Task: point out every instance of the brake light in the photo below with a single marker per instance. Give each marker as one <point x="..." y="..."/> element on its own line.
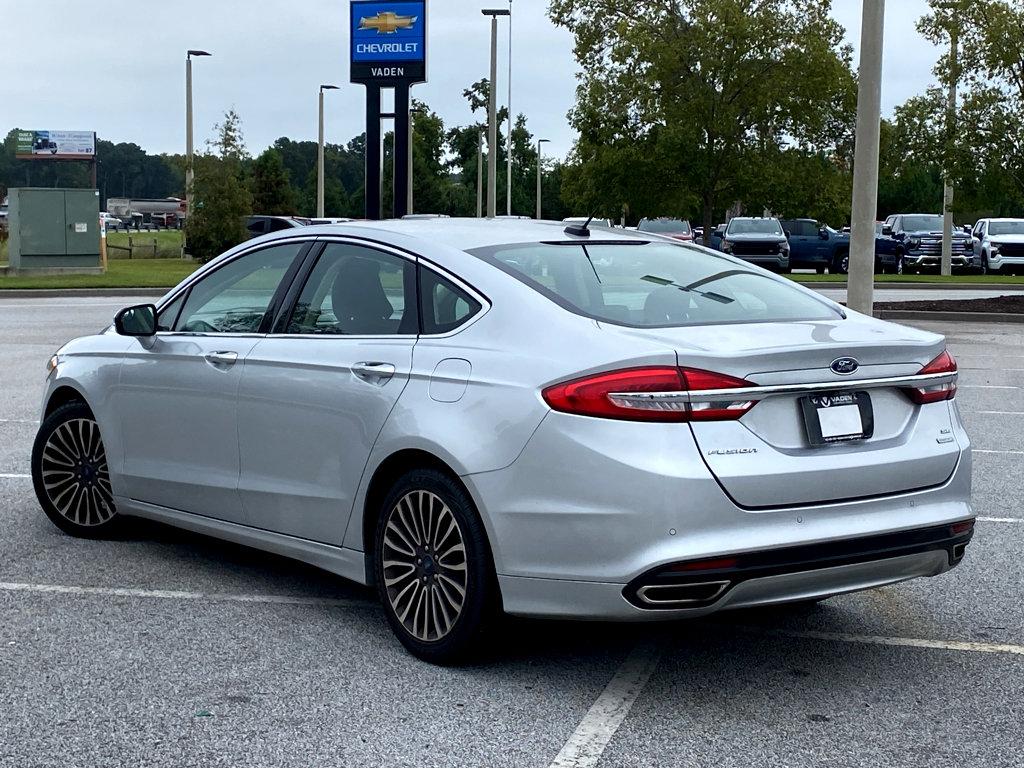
<point x="943" y="364"/>
<point x="650" y="394"/>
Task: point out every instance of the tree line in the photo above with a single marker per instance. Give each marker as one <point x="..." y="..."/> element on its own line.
<point x="688" y="108"/>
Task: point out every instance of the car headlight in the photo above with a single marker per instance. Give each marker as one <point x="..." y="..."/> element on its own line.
<point x="727" y="246"/>
<point x="52" y="363"/>
<point x="995" y="247"/>
<point x="913" y="242"/>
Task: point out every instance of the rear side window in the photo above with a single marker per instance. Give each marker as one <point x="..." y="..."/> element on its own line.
<point x="445" y="305"/>
<point x="655" y="285"/>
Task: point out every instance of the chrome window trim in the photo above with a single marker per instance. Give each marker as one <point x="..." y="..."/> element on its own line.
<point x="758" y="392"/>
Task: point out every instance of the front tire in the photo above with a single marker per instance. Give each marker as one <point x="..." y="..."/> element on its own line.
<point x="434" y="572"/>
<point x="70" y="473"/>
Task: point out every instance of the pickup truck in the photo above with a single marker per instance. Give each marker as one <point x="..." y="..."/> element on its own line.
<point x="913" y="243"/>
<point x="999" y="244"/>
<point x="760" y="240"/>
<point x="814" y="245"/>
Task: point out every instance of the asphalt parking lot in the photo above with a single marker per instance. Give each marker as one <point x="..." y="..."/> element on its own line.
<point x="167" y="648"/>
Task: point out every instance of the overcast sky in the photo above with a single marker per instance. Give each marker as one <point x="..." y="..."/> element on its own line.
<point x="120" y="70"/>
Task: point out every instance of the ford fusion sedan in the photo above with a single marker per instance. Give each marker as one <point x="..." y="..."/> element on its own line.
<point x="486" y="416"/>
<point x="761" y="241"/>
<point x="998" y="244"/>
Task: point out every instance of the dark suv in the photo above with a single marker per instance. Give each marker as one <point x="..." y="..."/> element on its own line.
<point x="814" y="245"/>
<point x="913" y="243"/>
<point x="758" y="240"/>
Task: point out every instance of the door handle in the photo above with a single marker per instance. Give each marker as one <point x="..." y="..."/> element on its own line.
<point x="223" y="358"/>
<point x="374" y="373"/>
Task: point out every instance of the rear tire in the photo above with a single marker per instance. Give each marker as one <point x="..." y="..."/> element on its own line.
<point x="70" y="473"/>
<point x="433" y="567"/>
<point x="841" y="264"/>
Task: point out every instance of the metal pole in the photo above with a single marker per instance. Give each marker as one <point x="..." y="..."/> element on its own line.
<point x="492" y="126"/>
<point x="508" y="139"/>
<point x="401" y="152"/>
<point x="861" y="283"/>
<point x="540" y="143"/>
<point x="189" y="175"/>
<point x="320" y="163"/>
<point x="947" y="187"/>
<point x="408" y="190"/>
<point x="480" y="175"/>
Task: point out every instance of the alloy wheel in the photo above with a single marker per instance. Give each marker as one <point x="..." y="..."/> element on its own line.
<point x="75" y="475"/>
<point x="424" y="565"/>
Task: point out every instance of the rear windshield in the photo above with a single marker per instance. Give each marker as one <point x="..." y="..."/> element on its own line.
<point x="654" y="285"/>
<point x="664" y="225"/>
<point x="1006" y="228"/>
<point x="754" y="227"/>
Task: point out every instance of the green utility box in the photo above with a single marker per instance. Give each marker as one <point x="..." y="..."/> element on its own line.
<point x="54" y="230"/>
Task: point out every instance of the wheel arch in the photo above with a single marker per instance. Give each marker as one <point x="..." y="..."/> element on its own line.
<point x="393" y="467"/>
<point x="63" y="395"/>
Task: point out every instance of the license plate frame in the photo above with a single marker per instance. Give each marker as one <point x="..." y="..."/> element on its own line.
<point x="813" y="405"/>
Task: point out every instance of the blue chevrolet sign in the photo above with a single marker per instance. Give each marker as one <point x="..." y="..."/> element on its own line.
<point x="389" y="41"/>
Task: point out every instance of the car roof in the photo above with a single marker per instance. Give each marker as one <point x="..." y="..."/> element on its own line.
<point x="1006" y="219"/>
<point x="466" y="234"/>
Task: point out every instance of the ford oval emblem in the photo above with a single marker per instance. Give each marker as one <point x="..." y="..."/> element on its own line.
<point x="844" y="366"/>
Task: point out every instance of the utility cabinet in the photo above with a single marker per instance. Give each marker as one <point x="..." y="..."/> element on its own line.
<point x="54" y="230"/>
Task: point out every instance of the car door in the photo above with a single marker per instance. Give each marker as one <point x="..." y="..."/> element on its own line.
<point x="177" y="390"/>
<point x="884" y="244"/>
<point x="977" y="238"/>
<point x="801" y="249"/>
<point x="315" y="394"/>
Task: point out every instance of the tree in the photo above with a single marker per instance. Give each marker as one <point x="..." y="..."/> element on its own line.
<point x="221" y="199"/>
<point x="682" y="103"/>
<point x="272" y="193"/>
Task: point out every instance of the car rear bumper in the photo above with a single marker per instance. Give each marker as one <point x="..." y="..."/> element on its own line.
<point x="607" y="601"/>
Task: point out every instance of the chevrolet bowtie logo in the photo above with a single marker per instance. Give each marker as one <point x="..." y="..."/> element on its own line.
<point x="387" y="23"/>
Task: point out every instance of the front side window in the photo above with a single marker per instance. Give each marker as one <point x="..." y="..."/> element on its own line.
<point x="235" y="298"/>
<point x="357" y="291"/>
<point x="654" y="284"/>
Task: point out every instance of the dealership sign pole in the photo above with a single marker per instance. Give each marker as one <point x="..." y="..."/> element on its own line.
<point x="388" y="50"/>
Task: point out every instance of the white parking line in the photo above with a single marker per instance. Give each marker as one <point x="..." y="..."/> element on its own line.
<point x="989" y="519"/>
<point x="987" y="387"/>
<point x="1000" y="413"/>
<point x="18" y="476"/>
<point x="919" y="643"/>
<point x="20" y="421"/>
<point x="595" y="731"/>
<point x="186" y="595"/>
<point x="995" y="451"/>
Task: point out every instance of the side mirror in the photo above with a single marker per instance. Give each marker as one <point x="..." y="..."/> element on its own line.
<point x="823" y="233"/>
<point x="139" y="320"/>
<point x="719" y="232"/>
<point x="788" y="234"/>
<point x="886" y="230"/>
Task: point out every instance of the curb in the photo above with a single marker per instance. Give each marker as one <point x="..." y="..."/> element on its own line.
<point x="963" y="317"/>
<point x="919" y="286"/>
<point x="51" y="293"/>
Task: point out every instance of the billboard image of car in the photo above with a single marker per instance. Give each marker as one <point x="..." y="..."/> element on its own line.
<point x="56" y="145"/>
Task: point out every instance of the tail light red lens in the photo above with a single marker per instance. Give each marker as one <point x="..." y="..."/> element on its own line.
<point x="650" y="394"/>
<point x="943" y="364"/>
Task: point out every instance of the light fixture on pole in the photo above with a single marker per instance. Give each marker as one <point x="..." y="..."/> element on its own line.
<point x="189" y="172"/>
<point x="540" y="142"/>
<point x="408" y="189"/>
<point x="508" y="139"/>
<point x="320" y="155"/>
<point x="492" y="119"/>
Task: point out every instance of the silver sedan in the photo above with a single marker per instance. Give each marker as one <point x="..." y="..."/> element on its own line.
<point x="486" y="416"/>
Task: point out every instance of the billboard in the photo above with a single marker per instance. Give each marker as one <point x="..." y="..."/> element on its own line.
<point x="389" y="41"/>
<point x="56" y="145"/>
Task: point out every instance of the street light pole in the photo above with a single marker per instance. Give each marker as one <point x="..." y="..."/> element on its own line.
<point x="408" y="188"/>
<point x="947" y="185"/>
<point x="320" y="155"/>
<point x="480" y="175"/>
<point x="861" y="283"/>
<point x="540" y="142"/>
<point x="492" y="117"/>
<point x="508" y="139"/>
<point x="189" y="172"/>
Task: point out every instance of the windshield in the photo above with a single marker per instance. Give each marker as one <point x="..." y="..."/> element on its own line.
<point x="654" y="285"/>
<point x="754" y="227"/>
<point x="1006" y="228"/>
<point x="922" y="223"/>
<point x="664" y="225"/>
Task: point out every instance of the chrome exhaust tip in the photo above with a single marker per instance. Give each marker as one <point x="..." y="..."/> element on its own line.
<point x="681" y="594"/>
<point x="959" y="550"/>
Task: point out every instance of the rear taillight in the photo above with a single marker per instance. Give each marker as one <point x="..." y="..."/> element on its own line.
<point x="654" y="394"/>
<point x="944" y="391"/>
